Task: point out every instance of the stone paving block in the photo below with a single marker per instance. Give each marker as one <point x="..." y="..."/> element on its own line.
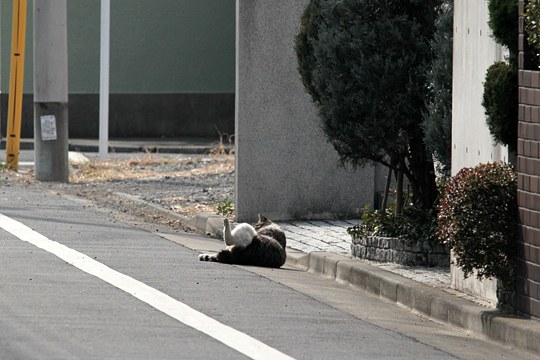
<point x="316" y="223"/>
<point x="343" y="223"/>
<point x="319" y="244"/>
<point x="285" y="226"/>
<point x="328" y="239"/>
<point x="334" y="229"/>
<point x="344" y="246"/>
<point x="301" y="247"/>
<point x="346" y="238"/>
<point x="296" y="224"/>
<point x="332" y="224"/>
<point x="301" y="238"/>
<point x="314" y="227"/>
<point x="328" y="248"/>
<point x="304" y="232"/>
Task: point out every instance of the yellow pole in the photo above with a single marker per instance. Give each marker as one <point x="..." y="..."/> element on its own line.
<point x="18" y="37"/>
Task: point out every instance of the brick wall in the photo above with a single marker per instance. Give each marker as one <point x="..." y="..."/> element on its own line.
<point x="528" y="167"/>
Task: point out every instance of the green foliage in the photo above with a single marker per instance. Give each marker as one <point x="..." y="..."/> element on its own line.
<point x="532" y="26"/>
<point x="500" y="102"/>
<point x="478" y="219"/>
<point x="503" y="21"/>
<point x="437" y="120"/>
<point x="500" y="99"/>
<point x="363" y="63"/>
<point x="225" y="207"/>
<point x="412" y="226"/>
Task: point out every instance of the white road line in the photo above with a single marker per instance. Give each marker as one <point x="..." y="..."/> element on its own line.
<point x="235" y="339"/>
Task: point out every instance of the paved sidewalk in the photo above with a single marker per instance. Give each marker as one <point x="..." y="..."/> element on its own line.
<point x="331" y="236"/>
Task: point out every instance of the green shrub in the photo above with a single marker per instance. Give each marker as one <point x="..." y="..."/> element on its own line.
<point x="500" y="102"/>
<point x="532" y="27"/>
<point x="503" y="21"/>
<point x="478" y="220"/>
<point x="500" y="99"/>
<point x="414" y="225"/>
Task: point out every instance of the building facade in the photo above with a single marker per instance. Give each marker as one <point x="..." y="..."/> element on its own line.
<point x="172" y="67"/>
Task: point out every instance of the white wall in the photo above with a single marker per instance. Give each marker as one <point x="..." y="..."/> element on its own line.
<point x="474" y="52"/>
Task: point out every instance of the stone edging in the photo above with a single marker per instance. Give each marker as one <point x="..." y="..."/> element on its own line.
<point x="394" y="250"/>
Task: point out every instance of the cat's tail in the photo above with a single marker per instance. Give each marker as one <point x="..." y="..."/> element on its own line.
<point x="227" y="234"/>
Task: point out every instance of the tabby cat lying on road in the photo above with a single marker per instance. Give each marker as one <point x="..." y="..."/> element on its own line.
<point x="262" y="245"/>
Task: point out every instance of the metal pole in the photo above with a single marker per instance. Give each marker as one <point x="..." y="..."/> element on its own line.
<point x="104" y="80"/>
<point x="51" y="90"/>
<point x="18" y="40"/>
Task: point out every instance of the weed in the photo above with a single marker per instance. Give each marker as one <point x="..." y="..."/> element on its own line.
<point x="225" y="207"/>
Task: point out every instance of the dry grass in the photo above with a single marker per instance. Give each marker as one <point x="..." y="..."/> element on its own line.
<point x="185" y="185"/>
<point x="150" y="167"/>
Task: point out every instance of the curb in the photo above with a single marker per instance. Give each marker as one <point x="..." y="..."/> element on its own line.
<point x="126" y="147"/>
<point x="436" y="304"/>
<point x="156" y="208"/>
<point x="209" y="224"/>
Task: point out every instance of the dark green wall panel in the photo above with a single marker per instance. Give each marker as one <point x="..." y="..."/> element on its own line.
<point x="157" y="46"/>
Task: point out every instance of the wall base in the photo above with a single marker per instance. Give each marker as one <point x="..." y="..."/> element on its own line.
<point x="140" y="115"/>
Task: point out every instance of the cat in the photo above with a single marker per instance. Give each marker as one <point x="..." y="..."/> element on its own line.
<point x="261" y="245"/>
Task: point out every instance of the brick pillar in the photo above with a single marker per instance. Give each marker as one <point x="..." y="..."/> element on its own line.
<point x="528" y="167"/>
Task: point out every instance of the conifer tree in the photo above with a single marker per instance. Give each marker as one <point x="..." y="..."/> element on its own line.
<point x="363" y="62"/>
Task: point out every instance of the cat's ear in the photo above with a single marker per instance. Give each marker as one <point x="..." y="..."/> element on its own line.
<point x="260" y="220"/>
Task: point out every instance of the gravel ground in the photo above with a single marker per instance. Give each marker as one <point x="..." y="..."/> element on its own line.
<point x="186" y="185"/>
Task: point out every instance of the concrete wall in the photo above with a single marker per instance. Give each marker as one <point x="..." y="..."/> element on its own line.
<point x="182" y="52"/>
<point x="474" y="52"/>
<point x="285" y="168"/>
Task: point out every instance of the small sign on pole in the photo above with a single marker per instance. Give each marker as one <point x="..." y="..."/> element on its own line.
<point x="48" y="128"/>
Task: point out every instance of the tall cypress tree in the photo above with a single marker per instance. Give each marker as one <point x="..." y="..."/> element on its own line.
<point x="363" y="62"/>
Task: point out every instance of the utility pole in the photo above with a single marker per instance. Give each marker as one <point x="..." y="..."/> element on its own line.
<point x="51" y="91"/>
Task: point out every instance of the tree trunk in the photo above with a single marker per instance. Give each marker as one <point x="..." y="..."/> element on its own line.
<point x="399" y="192"/>
<point x="387" y="189"/>
<point x="422" y="171"/>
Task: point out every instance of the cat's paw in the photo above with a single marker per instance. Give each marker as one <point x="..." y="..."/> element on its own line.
<point x="205" y="257"/>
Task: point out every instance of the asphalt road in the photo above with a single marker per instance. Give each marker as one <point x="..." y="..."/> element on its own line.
<point x="116" y="291"/>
